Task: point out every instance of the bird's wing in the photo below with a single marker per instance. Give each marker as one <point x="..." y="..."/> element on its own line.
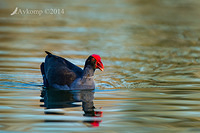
<point x="60" y="71"/>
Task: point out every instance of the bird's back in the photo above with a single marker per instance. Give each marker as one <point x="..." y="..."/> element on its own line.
<point x="60" y="71"/>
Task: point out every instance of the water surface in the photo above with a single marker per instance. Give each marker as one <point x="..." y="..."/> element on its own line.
<point x="150" y="50"/>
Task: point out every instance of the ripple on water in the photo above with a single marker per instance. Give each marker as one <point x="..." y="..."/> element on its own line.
<point x="151" y="78"/>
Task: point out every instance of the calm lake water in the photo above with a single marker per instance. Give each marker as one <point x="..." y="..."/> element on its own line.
<point x="151" y="54"/>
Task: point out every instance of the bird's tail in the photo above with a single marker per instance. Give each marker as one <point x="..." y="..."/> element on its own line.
<point x="48" y="53"/>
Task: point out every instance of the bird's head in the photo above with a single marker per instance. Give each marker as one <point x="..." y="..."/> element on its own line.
<point x="95" y="61"/>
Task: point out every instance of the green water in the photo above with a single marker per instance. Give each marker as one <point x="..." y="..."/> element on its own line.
<point x="150" y="51"/>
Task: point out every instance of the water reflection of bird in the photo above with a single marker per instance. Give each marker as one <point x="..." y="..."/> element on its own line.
<point x="61" y="74"/>
<point x="54" y="99"/>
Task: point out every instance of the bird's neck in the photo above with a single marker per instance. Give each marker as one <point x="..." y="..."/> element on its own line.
<point x="88" y="72"/>
<point x="87" y="79"/>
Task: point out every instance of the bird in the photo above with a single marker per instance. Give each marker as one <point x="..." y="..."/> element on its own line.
<point x="60" y="74"/>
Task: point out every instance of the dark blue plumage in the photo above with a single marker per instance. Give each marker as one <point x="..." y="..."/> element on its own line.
<point x="61" y="74"/>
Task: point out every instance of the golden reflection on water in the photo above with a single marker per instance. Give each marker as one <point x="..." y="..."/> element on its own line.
<point x="150" y="50"/>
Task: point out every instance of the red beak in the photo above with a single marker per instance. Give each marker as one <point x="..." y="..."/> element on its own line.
<point x="100" y="65"/>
